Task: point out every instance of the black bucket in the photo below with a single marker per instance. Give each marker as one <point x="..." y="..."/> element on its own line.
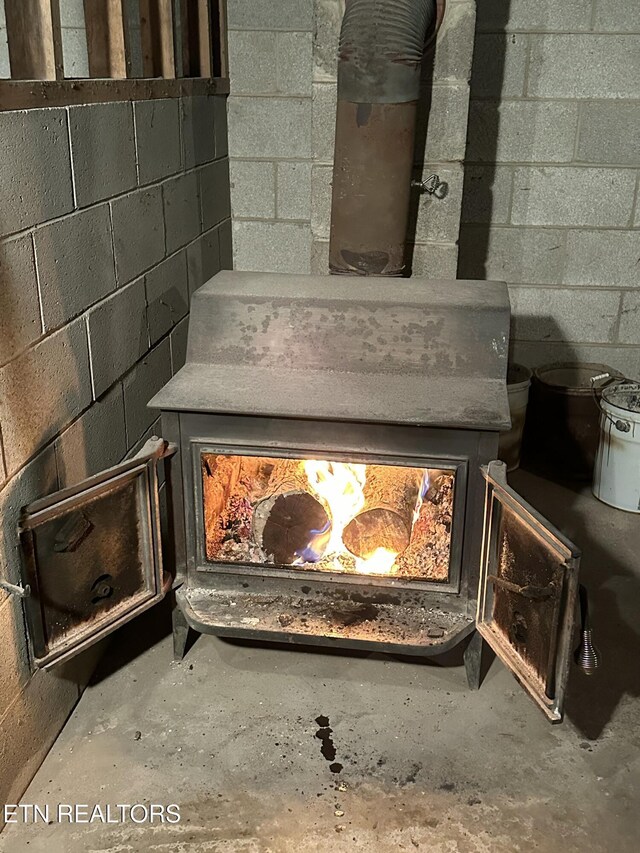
<point x="562" y="431"/>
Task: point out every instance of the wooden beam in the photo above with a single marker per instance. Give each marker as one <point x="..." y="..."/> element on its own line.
<point x="156" y="30"/>
<point x="35" y="41"/>
<point x="23" y="95"/>
<point x="107" y="39"/>
<point x="205" y="64"/>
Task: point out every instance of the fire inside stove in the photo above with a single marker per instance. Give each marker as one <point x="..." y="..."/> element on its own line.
<point x="319" y="515"/>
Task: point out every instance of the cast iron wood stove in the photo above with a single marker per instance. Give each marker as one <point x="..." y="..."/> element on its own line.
<point x="331" y="479"/>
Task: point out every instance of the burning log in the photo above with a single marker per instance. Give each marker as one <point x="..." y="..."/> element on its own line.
<point x="290" y="523"/>
<point x="391" y="497"/>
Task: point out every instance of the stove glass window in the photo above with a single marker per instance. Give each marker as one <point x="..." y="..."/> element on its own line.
<point x="329" y="516"/>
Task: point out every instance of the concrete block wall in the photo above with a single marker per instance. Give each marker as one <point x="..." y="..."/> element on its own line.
<point x="111" y="215"/>
<point x="282" y="65"/>
<point x="270" y="62"/>
<point x="551" y="189"/>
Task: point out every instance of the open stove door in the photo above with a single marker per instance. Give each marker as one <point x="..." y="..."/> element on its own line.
<point x="527" y="595"/>
<point x="92" y="556"/>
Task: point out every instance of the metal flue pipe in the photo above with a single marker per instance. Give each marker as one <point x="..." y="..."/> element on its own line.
<point x="380" y="55"/>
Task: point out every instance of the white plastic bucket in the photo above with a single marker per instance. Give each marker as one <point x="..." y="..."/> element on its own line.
<point x="518" y="382"/>
<point x="616" y="477"/>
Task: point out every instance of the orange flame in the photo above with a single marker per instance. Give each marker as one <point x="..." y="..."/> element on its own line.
<point x="340" y="485"/>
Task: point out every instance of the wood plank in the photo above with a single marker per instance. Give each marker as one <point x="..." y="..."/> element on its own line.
<point x="205" y="63"/>
<point x="156" y="30"/>
<point x="107" y="39"/>
<point x="22" y="95"/>
<point x="34" y="37"/>
<point x="182" y="12"/>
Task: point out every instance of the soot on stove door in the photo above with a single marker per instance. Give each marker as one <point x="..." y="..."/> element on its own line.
<point x="331" y="516"/>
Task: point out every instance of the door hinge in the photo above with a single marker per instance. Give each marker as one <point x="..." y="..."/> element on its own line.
<point x="16" y="589"/>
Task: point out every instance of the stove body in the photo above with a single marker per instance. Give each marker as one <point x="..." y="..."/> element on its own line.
<point x="343" y="371"/>
<point x="398" y="386"/>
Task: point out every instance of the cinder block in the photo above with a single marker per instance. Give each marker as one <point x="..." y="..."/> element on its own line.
<point x="145" y="380"/>
<point x="5" y="67"/>
<point x="294" y="63"/>
<point x="270" y="15"/>
<point x="215" y="203"/>
<point x="102" y="151"/>
<point x="552" y="314"/>
<point x="225" y="236"/>
<point x="437" y="219"/>
<point x="157" y="138"/>
<point x="584" y="66"/>
<point x="487" y="194"/>
<point x="14" y="657"/>
<point x="181" y="210"/>
<point x="454" y="45"/>
<point x="118" y="335"/>
<point x="293" y="190"/>
<point x="167" y="295"/>
<point x="326" y="34"/>
<point x="179" y="345"/>
<point x="324" y="121"/>
<point x="29" y="728"/>
<point x="252" y="62"/>
<point x="515" y="255"/>
<point x="606" y="258"/>
<point x="253" y="189"/>
<point x="623" y="358"/>
<point x="609" y="132"/>
<point x="35" y="168"/>
<point x="220" y="125"/>
<point x="434" y="260"/>
<point x="498" y="67"/>
<point x="138" y="232"/>
<point x="522" y="131"/>
<point x="321" y="184"/>
<point x="320" y="257"/>
<point x="572" y="196"/>
<point x="96" y="440"/>
<point x="441" y="126"/>
<point x="620" y="16"/>
<point x="272" y="246"/>
<point x="629" y="332"/>
<point x="20" y="323"/>
<point x="545" y="15"/>
<point x="42" y="390"/>
<point x="273" y="127"/>
<point x="203" y="259"/>
<point x="72" y="13"/>
<point x="36" y="480"/>
<point x="74" y="52"/>
<point x="75" y="264"/>
<point x="198" y="130"/>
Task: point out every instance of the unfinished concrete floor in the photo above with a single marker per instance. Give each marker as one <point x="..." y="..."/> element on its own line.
<point x="229" y="735"/>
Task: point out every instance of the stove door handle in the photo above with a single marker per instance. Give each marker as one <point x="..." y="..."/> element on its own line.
<point x="535" y="593"/>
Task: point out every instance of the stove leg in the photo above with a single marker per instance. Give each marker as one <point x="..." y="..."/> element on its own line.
<point x="473" y="660"/>
<point x="180" y="632"/>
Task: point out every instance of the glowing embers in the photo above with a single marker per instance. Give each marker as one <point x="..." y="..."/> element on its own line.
<point x="328" y="516"/>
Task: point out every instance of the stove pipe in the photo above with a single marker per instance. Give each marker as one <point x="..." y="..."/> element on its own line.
<point x="379" y="58"/>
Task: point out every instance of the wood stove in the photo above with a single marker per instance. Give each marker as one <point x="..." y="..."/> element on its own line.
<point x="331" y="478"/>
